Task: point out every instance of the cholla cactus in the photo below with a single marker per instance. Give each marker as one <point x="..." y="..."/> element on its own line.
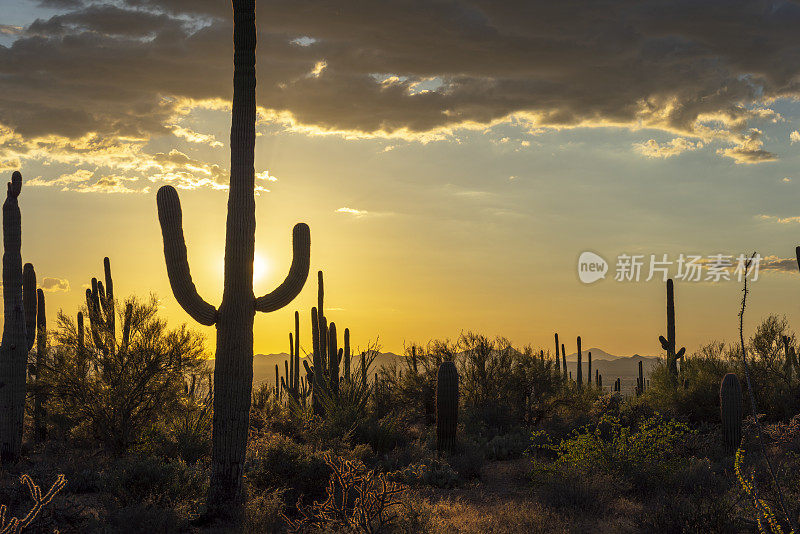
<point x="730" y="409"/>
<point x="233" y="372"/>
<point x="668" y="343"/>
<point x="19" y="329"/>
<point x="446" y="407"/>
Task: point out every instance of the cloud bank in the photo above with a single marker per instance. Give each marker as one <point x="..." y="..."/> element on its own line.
<point x="113" y="76"/>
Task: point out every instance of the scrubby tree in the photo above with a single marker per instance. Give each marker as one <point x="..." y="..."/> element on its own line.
<point x="117" y="394"/>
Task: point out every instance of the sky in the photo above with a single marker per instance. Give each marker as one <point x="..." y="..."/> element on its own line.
<point x="453" y="159"/>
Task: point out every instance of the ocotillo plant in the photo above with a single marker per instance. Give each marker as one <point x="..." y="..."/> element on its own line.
<point x="579" y="374"/>
<point x="39" y="411"/>
<point x="19" y="329"/>
<point x="233" y="372"/>
<point x="668" y="343"/>
<point x="446" y="407"/>
<point x="730" y="409"/>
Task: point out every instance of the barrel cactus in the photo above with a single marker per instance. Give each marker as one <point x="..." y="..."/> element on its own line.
<point x="730" y="408"/>
<point x="446" y="407"/>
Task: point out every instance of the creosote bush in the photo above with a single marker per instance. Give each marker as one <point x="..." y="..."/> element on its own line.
<point x="117" y="395"/>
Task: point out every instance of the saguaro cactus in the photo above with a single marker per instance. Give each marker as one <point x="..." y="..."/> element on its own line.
<point x="39" y="411"/>
<point x="668" y="343"/>
<point x="640" y="380"/>
<point x="233" y="372"/>
<point x="579" y="375"/>
<point x="589" y="372"/>
<point x="19" y="329"/>
<point x="730" y="409"/>
<point x="558" y="360"/>
<point x="446" y="407"/>
<point x="564" y="360"/>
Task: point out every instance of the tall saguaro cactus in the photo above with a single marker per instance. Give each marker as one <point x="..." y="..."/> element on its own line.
<point x="668" y="343"/>
<point x="19" y="329"/>
<point x="233" y="372"/>
<point x="730" y="409"/>
<point x="39" y="410"/>
<point x="446" y="406"/>
<point x="579" y="375"/>
<point x="558" y="360"/>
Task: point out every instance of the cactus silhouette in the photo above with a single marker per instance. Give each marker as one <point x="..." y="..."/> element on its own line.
<point x="579" y="374"/>
<point x="589" y="371"/>
<point x="19" y="329"/>
<point x="730" y="409"/>
<point x="564" y="360"/>
<point x="39" y="410"/>
<point x="558" y="360"/>
<point x="446" y="407"/>
<point x="668" y="343"/>
<point x="233" y="370"/>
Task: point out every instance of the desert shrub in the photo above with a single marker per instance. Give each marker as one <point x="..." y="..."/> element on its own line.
<point x="138" y="479"/>
<point x="263" y="512"/>
<point x="645" y="455"/>
<point x="688" y="513"/>
<point x="139" y="517"/>
<point x="118" y="394"/>
<point x="469" y="458"/>
<point x="508" y="446"/>
<point x="434" y="472"/>
<point x="278" y="462"/>
<point x="696" y="398"/>
<point x="566" y="487"/>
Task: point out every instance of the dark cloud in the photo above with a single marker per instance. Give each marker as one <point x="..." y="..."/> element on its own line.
<point x="774" y="263"/>
<point x="54" y="284"/>
<point x="698" y="69"/>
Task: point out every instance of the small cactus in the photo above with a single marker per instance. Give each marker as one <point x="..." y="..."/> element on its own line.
<point x="730" y="408"/>
<point x="446" y="407"/>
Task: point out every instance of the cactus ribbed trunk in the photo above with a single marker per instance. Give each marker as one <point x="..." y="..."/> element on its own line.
<point x="39" y="412"/>
<point x="558" y="360"/>
<point x="589" y="371"/>
<point x="730" y="408"/>
<point x="346" y="354"/>
<point x="18" y="329"/>
<point x="446" y="407"/>
<point x="296" y="384"/>
<point x="668" y="343"/>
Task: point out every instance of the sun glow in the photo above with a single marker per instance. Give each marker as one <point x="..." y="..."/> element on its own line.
<point x="260" y="267"/>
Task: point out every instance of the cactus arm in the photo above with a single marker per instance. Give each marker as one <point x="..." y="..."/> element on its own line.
<point x="29" y="303"/>
<point x="797" y="253"/>
<point x="664" y="342"/>
<point x="298" y="273"/>
<point x="126" y="327"/>
<point x="93" y="307"/>
<point x="180" y="279"/>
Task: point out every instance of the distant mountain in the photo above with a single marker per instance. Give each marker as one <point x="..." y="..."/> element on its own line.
<point x="264" y="365"/>
<point x="610" y="366"/>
